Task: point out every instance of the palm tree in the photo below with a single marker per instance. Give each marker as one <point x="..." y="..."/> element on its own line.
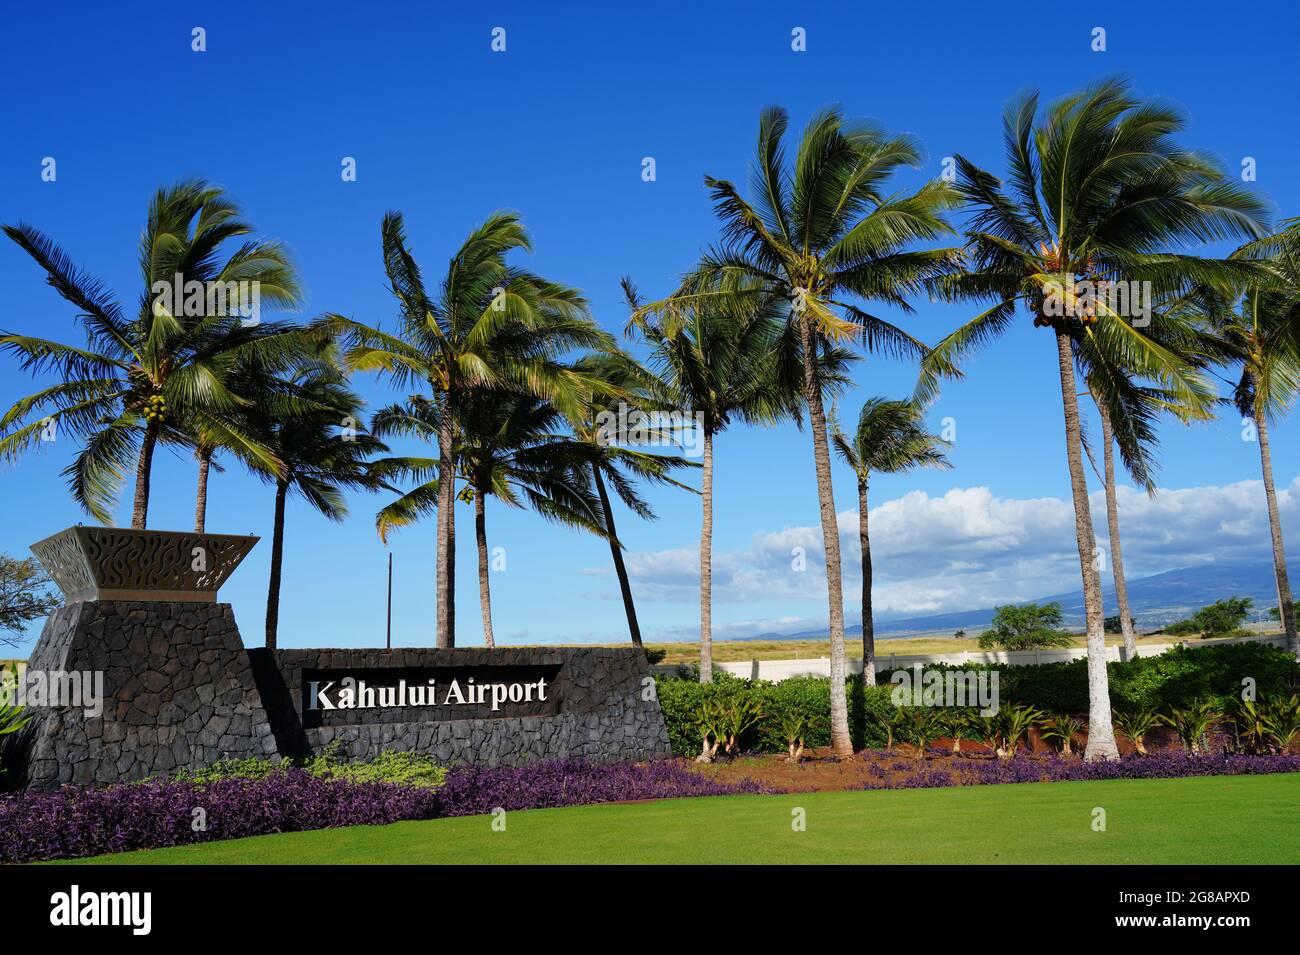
<point x="630" y="388"/>
<point x="489" y="325"/>
<point x="1099" y="191"/>
<point x="261" y="395"/>
<point x="1115" y="392"/>
<point x="890" y="438"/>
<point x="319" y="457"/>
<point x="510" y="449"/>
<point x="1262" y="334"/>
<point x="818" y="236"/>
<point x="1112" y="525"/>
<point x="160" y="377"/>
<point x="719" y="359"/>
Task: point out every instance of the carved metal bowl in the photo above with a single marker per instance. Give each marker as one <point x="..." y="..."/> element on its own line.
<point x="115" y="563"/>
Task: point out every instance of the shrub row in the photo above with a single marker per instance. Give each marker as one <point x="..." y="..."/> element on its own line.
<point x="1183" y="677"/>
<point x="1178" y="678"/>
<point x="682" y="700"/>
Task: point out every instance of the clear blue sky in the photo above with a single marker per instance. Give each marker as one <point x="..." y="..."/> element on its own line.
<point x="556" y="127"/>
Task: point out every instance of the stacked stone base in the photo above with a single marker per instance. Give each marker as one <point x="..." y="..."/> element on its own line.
<point x="498" y="742"/>
<point x="178" y="693"/>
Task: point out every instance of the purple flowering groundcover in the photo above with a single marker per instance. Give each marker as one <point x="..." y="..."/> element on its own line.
<point x="74" y="821"/>
<point x="1170" y="764"/>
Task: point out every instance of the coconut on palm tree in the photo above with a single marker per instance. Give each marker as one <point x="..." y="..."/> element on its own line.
<point x="823" y="237"/>
<point x="487" y="325"/>
<point x="1098" y="191"/>
<point x="890" y="438"/>
<point x="162" y="375"/>
<point x="631" y="391"/>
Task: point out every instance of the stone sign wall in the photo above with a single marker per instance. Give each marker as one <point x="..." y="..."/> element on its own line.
<point x="174" y="687"/>
<point x="180" y="691"/>
<point x="456" y="705"/>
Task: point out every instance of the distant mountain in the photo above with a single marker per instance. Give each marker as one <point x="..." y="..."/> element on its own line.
<point x="1155" y="600"/>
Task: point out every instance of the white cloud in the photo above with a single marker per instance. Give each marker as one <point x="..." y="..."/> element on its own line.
<point x="968" y="549"/>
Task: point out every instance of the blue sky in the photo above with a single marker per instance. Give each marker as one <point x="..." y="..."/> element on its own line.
<point x="556" y="127"/>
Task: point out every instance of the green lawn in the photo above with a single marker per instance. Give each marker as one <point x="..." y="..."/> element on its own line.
<point x="1223" y="819"/>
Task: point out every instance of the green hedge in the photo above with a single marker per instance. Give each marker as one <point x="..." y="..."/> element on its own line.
<point x="1178" y="678"/>
<point x="681" y="699"/>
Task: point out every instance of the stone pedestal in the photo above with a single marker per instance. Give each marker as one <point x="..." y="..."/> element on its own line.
<point x="178" y="693"/>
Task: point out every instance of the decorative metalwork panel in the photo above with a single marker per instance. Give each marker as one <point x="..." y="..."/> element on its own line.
<point x="65" y="561"/>
<point x="104" y="563"/>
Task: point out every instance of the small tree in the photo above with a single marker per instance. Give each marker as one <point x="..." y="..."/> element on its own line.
<point x="1025" y="627"/>
<point x="921" y="727"/>
<point x="1282" y="722"/>
<point x="957" y="725"/>
<point x="795" y="727"/>
<point x="738" y="715"/>
<point x="1193" y="724"/>
<point x="1135" y="724"/>
<point x="24" y="596"/>
<point x="1065" y="728"/>
<point x="708" y="722"/>
<point x="1113" y="624"/>
<point x="1219" y="619"/>
<point x="1013" y="724"/>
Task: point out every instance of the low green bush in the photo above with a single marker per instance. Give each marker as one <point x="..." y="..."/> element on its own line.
<point x="1178" y="678"/>
<point x="254" y="767"/>
<point x="390" y="766"/>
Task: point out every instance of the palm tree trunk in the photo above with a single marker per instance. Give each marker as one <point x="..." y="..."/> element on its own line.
<point x="277" y="562"/>
<point x="841" y="741"/>
<point x="868" y="624"/>
<point x="1101" y="736"/>
<point x="201" y="498"/>
<point x="1285" y="603"/>
<point x="140" y="512"/>
<point x="445" y="570"/>
<point x="1112" y="523"/>
<point x="706" y="563"/>
<point x="484" y="588"/>
<point x="616" y="550"/>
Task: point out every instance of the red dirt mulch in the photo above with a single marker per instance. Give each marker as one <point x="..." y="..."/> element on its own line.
<point x="819" y="771"/>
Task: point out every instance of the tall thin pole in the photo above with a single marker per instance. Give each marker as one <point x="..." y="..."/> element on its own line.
<point x="389" y="639"/>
